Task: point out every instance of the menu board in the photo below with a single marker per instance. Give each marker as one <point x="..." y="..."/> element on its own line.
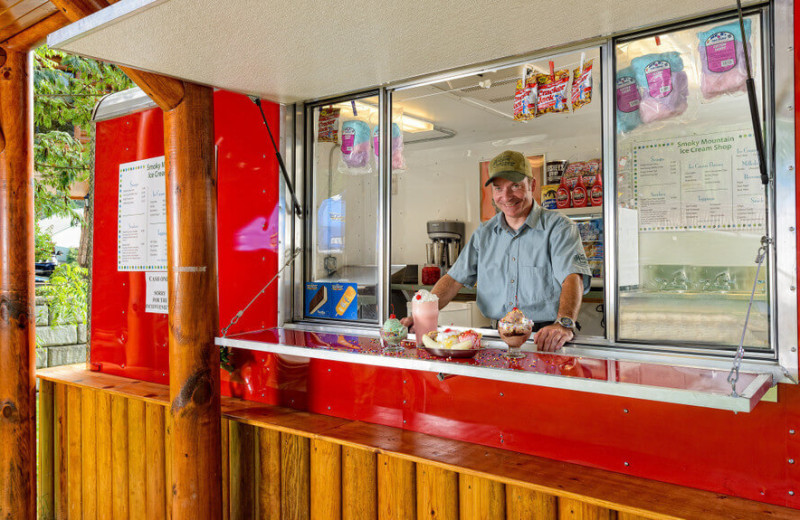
<point x="701" y="182"/>
<point x="142" y="216"/>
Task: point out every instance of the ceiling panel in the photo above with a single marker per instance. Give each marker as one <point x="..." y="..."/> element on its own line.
<point x="307" y="49"/>
<point x="16" y="16"/>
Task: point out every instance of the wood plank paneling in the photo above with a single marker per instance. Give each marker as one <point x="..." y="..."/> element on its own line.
<point x="359" y="484"/>
<point x="46" y="481"/>
<point x="571" y="509"/>
<point x="523" y="503"/>
<point x="269" y="474"/>
<point x="397" y="483"/>
<point x="226" y="468"/>
<point x="437" y="493"/>
<point x="168" y="457"/>
<point x="119" y="457"/>
<point x="630" y="516"/>
<point x="104" y="466"/>
<point x="73" y="489"/>
<point x="480" y="498"/>
<point x="326" y="480"/>
<point x="88" y="453"/>
<point x="60" y="448"/>
<point x="155" y="490"/>
<point x="294" y="477"/>
<point x="137" y="471"/>
<point x="243" y="484"/>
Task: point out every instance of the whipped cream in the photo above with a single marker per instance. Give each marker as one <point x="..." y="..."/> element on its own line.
<point x="424" y="295"/>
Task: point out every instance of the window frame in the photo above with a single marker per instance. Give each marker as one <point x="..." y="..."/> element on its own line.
<point x="778" y="116"/>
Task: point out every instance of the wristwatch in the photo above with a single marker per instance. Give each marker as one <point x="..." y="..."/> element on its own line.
<point x="567" y="323"/>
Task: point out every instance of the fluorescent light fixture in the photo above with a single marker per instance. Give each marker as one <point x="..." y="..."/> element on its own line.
<point x="409" y="124"/>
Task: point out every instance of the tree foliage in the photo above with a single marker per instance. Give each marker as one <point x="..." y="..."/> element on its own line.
<point x="66" y="89"/>
<point x="67" y="293"/>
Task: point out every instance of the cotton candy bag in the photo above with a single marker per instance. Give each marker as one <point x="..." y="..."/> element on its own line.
<point x="663" y="85"/>
<point x="723" y="68"/>
<point x="628" y="101"/>
<point x="355" y="157"/>
<point x="398" y="159"/>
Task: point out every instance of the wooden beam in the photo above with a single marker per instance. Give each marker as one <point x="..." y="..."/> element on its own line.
<point x="74" y="10"/>
<point x="36" y="34"/>
<point x="166" y="92"/>
<point x="17" y="354"/>
<point x="193" y="311"/>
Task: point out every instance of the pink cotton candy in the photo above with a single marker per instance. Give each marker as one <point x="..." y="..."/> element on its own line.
<point x="673" y="104"/>
<point x="713" y="84"/>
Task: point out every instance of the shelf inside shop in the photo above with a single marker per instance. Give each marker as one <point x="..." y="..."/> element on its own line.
<point x="591" y="211"/>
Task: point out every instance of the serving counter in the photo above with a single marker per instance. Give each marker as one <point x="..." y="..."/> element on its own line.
<point x="568" y="370"/>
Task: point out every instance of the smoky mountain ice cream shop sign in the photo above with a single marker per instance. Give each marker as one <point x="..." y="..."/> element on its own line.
<point x="142" y="216"/>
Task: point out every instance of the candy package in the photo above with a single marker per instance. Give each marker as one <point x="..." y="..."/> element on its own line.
<point x="398" y="159"/>
<point x="581" y="86"/>
<point x="590" y="169"/>
<point x="573" y="171"/>
<point x="628" y="101"/>
<point x="723" y="69"/>
<point x="525" y="99"/>
<point x="663" y="85"/>
<point x="552" y="96"/>
<point x="328" y="128"/>
<point x="356" y="156"/>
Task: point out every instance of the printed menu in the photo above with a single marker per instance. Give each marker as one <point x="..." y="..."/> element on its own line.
<point x="142" y="216"/>
<point x="709" y="181"/>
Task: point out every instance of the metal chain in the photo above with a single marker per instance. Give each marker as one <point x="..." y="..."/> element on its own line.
<point x="733" y="376"/>
<point x="239" y="314"/>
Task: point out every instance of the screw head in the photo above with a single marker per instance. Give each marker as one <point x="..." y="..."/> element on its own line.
<point x="791" y="432"/>
<point x="792" y="288"/>
<point x="627" y="463"/>
<point x="624" y="410"/>
<point x="791" y="228"/>
<point x="791" y="493"/>
<point x="501" y="394"/>
<point x="791" y="461"/>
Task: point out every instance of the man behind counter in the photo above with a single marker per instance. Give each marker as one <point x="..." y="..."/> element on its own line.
<point x="525" y="257"/>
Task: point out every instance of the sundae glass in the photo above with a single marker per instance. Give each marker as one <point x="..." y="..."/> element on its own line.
<point x="393" y="333"/>
<point x="514" y="329"/>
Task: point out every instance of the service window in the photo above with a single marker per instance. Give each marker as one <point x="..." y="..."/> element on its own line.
<point x="444" y="136"/>
<point x="342" y="229"/>
<point x="691" y="209"/>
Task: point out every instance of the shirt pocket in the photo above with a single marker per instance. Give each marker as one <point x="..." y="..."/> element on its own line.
<point x="536" y="284"/>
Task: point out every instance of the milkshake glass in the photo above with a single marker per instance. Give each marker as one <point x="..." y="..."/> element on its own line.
<point x="425" y="312"/>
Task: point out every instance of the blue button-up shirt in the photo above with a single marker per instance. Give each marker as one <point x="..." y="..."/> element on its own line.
<point x="523" y="268"/>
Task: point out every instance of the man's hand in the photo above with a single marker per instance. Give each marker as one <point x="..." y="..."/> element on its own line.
<point x="552" y="337"/>
<point x="408" y="321"/>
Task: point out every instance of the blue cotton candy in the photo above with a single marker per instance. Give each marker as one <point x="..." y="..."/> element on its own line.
<point x="355" y="143"/>
<point x="663" y="85"/>
<point x="732" y="28"/>
<point x="627" y="101"/>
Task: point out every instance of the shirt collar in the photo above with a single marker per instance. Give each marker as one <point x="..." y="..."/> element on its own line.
<point x="533" y="221"/>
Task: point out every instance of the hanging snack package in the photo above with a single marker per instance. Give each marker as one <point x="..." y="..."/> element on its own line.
<point x="663" y="85"/>
<point x="723" y="68"/>
<point x="590" y="169"/>
<point x="328" y="128"/>
<point x="581" y="86"/>
<point x="628" y="101"/>
<point x="552" y="96"/>
<point x="525" y="99"/>
<point x="356" y="156"/>
<point x="398" y="159"/>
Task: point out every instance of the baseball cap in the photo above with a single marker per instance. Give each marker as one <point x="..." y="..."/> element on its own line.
<point x="509" y="165"/>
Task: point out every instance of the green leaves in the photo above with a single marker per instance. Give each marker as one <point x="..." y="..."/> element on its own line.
<point x="66" y="89"/>
<point x="67" y="293"/>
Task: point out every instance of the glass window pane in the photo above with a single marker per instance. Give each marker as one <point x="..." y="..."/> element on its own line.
<point x="342" y="273"/>
<point x="450" y="131"/>
<point x="691" y="207"/>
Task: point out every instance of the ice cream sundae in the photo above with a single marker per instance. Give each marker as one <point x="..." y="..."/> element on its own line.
<point x="515" y="329"/>
<point x="393" y="333"/>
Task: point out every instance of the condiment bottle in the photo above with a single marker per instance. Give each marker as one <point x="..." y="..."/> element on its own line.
<point x="562" y="194"/>
<point x="579" y="198"/>
<point x="596" y="197"/>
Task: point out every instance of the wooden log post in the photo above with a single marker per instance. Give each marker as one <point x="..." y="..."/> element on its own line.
<point x="17" y="334"/>
<point x="193" y="307"/>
